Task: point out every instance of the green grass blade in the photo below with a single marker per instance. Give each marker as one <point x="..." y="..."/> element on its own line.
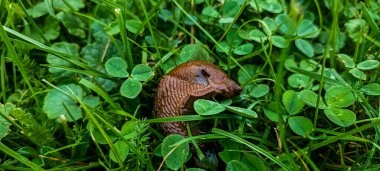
<point x="150" y="26"/>
<point x="69" y="58"/>
<point x="79" y="71"/>
<point x="17" y="61"/>
<point x="124" y="38"/>
<point x="370" y="20"/>
<point x="131" y="146"/>
<point x="192" y="118"/>
<point x="102" y="131"/>
<point x="99" y="91"/>
<point x="33" y="23"/>
<point x="19" y="157"/>
<point x="251" y="146"/>
<point x="346" y="134"/>
<point x="3" y="73"/>
<point x="242" y="7"/>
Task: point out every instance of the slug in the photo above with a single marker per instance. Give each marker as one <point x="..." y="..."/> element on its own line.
<point x="186" y="83"/>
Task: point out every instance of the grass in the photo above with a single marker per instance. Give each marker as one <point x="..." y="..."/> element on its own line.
<point x="78" y="81"/>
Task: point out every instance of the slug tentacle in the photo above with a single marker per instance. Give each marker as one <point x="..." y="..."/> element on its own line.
<point x="186" y="83"/>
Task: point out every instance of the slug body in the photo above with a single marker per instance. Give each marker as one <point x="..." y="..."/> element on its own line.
<point x="186" y="83"/>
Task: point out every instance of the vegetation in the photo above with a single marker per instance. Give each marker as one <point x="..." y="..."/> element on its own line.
<point x="78" y="80"/>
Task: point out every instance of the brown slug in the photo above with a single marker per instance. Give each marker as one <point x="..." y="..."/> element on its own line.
<point x="186" y="83"/>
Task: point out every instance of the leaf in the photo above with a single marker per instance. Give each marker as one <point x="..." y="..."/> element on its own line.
<point x="301" y="125"/>
<point x="305" y="47"/>
<point x="130" y="129"/>
<point x="244" y="49"/>
<point x="51" y="28"/>
<point x="142" y="72"/>
<point x="66" y="48"/>
<point x="341" y="117"/>
<point x="346" y="60"/>
<point x="4" y="124"/>
<point x="266" y="28"/>
<point x="307" y="65"/>
<point x="230" y="9"/>
<point x="117" y="67"/>
<point x="57" y="103"/>
<point x="113" y="28"/>
<point x="177" y="158"/>
<point x="107" y="84"/>
<point x="339" y="96"/>
<point x="372" y="89"/>
<point x="271" y="110"/>
<point x="298" y="80"/>
<point x="341" y="39"/>
<point x="243" y="77"/>
<point x="279" y="42"/>
<point x="357" y="73"/>
<point x="195" y="169"/>
<point x="123" y="150"/>
<point x="210" y="12"/>
<point x="131" y="88"/>
<point x="91" y="101"/>
<point x="165" y="14"/>
<point x="356" y="28"/>
<point x="272" y="6"/>
<point x="5" y="109"/>
<point x="242" y="111"/>
<point x="189" y="20"/>
<point x="307" y="29"/>
<point x="257" y="5"/>
<point x="290" y="64"/>
<point x="368" y="64"/>
<point x="73" y="24"/>
<point x="226" y="20"/>
<point x="195" y="52"/>
<point x="233" y="39"/>
<point x="318" y="48"/>
<point x="270" y="23"/>
<point x="199" y="1"/>
<point x="225" y="101"/>
<point x="292" y="104"/>
<point x="133" y="26"/>
<point x="244" y="34"/>
<point x="207" y="107"/>
<point x="188" y="51"/>
<point x="253" y="162"/>
<point x="63" y="5"/>
<point x="308" y="15"/>
<point x="287" y="25"/>
<point x="38" y="10"/>
<point x="98" y="136"/>
<point x="102" y="48"/>
<point x="235" y="165"/>
<point x="27" y="151"/>
<point x="259" y="91"/>
<point x="310" y="98"/>
<point x="223" y="45"/>
<point x="257" y="36"/>
<point x="230" y="151"/>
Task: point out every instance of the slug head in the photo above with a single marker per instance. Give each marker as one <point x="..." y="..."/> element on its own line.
<point x="207" y="74"/>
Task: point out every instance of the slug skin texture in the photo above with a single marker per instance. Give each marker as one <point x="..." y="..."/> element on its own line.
<point x="186" y="83"/>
